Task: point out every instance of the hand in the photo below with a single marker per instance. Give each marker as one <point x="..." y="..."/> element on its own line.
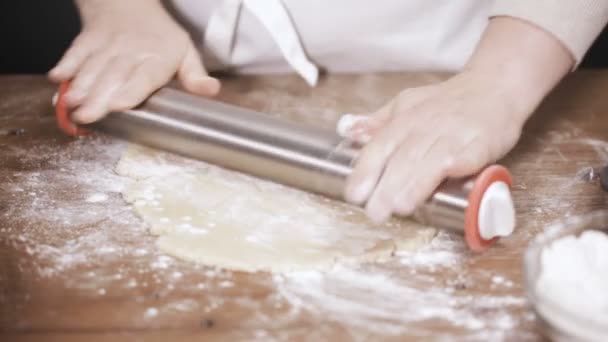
<point x="454" y="128"/>
<point x="126" y="51"/>
<point x="426" y="134"/>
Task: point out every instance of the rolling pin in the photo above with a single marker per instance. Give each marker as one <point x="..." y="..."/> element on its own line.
<point x="305" y="157"/>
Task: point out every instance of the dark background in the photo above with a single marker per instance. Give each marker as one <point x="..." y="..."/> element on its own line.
<point x="34" y="34"/>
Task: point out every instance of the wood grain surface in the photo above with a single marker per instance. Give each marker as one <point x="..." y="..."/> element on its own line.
<point x="72" y="270"/>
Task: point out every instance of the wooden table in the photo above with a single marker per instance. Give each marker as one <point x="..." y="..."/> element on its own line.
<point x="72" y="269"/>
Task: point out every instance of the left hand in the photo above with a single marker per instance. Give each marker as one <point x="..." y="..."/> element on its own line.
<point x="427" y="134"/>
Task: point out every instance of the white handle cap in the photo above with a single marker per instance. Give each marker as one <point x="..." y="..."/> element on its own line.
<point x="496" y="215"/>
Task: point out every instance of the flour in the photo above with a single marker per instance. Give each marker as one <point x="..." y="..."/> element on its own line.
<point x="392" y="303"/>
<point x="574" y="274"/>
<point x="151" y="313"/>
<point x="97" y="198"/>
<point x="100" y="249"/>
<point x="346" y="124"/>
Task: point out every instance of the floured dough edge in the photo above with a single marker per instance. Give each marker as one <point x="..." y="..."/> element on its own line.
<point x="381" y="252"/>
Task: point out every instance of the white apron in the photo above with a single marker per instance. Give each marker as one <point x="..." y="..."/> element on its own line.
<point x="263" y="36"/>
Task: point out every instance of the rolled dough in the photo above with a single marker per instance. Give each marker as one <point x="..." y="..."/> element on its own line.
<point x="206" y="214"/>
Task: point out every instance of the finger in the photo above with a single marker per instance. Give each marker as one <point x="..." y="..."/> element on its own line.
<point x="413" y="194"/>
<point x="365" y="130"/>
<point x="372" y="160"/>
<point x="345" y="128"/>
<point x="384" y="114"/>
<point x="145" y="79"/>
<point x="72" y="59"/>
<point x="432" y="168"/>
<point x="445" y="160"/>
<point x="470" y="159"/>
<point x="408" y="98"/>
<point x="85" y="78"/>
<point x="99" y="98"/>
<point x="400" y="170"/>
<point x="480" y="150"/>
<point x="194" y="77"/>
<point x="363" y="127"/>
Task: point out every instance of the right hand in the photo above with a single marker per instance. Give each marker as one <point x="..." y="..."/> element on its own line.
<point x="126" y="51"/>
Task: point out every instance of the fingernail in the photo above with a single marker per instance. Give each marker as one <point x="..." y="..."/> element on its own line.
<point x="404" y="209"/>
<point x="362" y="124"/>
<point x="80" y="116"/>
<point x="402" y="204"/>
<point x="89" y="114"/>
<point x="212" y="83"/>
<point x="211" y="80"/>
<point x="377" y="213"/>
<point x="74" y="97"/>
<point x="361" y="137"/>
<point x="54" y="72"/>
<point x="359" y="193"/>
<point x="353" y="131"/>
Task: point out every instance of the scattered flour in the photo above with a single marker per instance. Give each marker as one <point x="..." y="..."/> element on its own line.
<point x="497" y="279"/>
<point x="97" y="198"/>
<point x="444" y="251"/>
<point x="151" y="313"/>
<point x="390" y="303"/>
<point x="75" y="236"/>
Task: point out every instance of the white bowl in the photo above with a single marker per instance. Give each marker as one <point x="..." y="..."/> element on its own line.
<point x="556" y="321"/>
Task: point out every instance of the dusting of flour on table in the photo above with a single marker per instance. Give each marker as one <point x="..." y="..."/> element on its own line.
<point x="97" y="198"/>
<point x="100" y="249"/>
<point x="392" y="303"/>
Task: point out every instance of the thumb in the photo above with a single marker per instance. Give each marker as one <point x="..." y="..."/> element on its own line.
<point x="193" y="76"/>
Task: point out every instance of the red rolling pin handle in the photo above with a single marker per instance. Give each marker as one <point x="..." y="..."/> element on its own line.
<point x="487" y="177"/>
<point x="63" y="115"/>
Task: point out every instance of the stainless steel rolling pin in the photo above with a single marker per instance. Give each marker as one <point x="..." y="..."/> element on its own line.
<point x="297" y="155"/>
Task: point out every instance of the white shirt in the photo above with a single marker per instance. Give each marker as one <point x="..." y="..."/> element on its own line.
<point x="262" y="36"/>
